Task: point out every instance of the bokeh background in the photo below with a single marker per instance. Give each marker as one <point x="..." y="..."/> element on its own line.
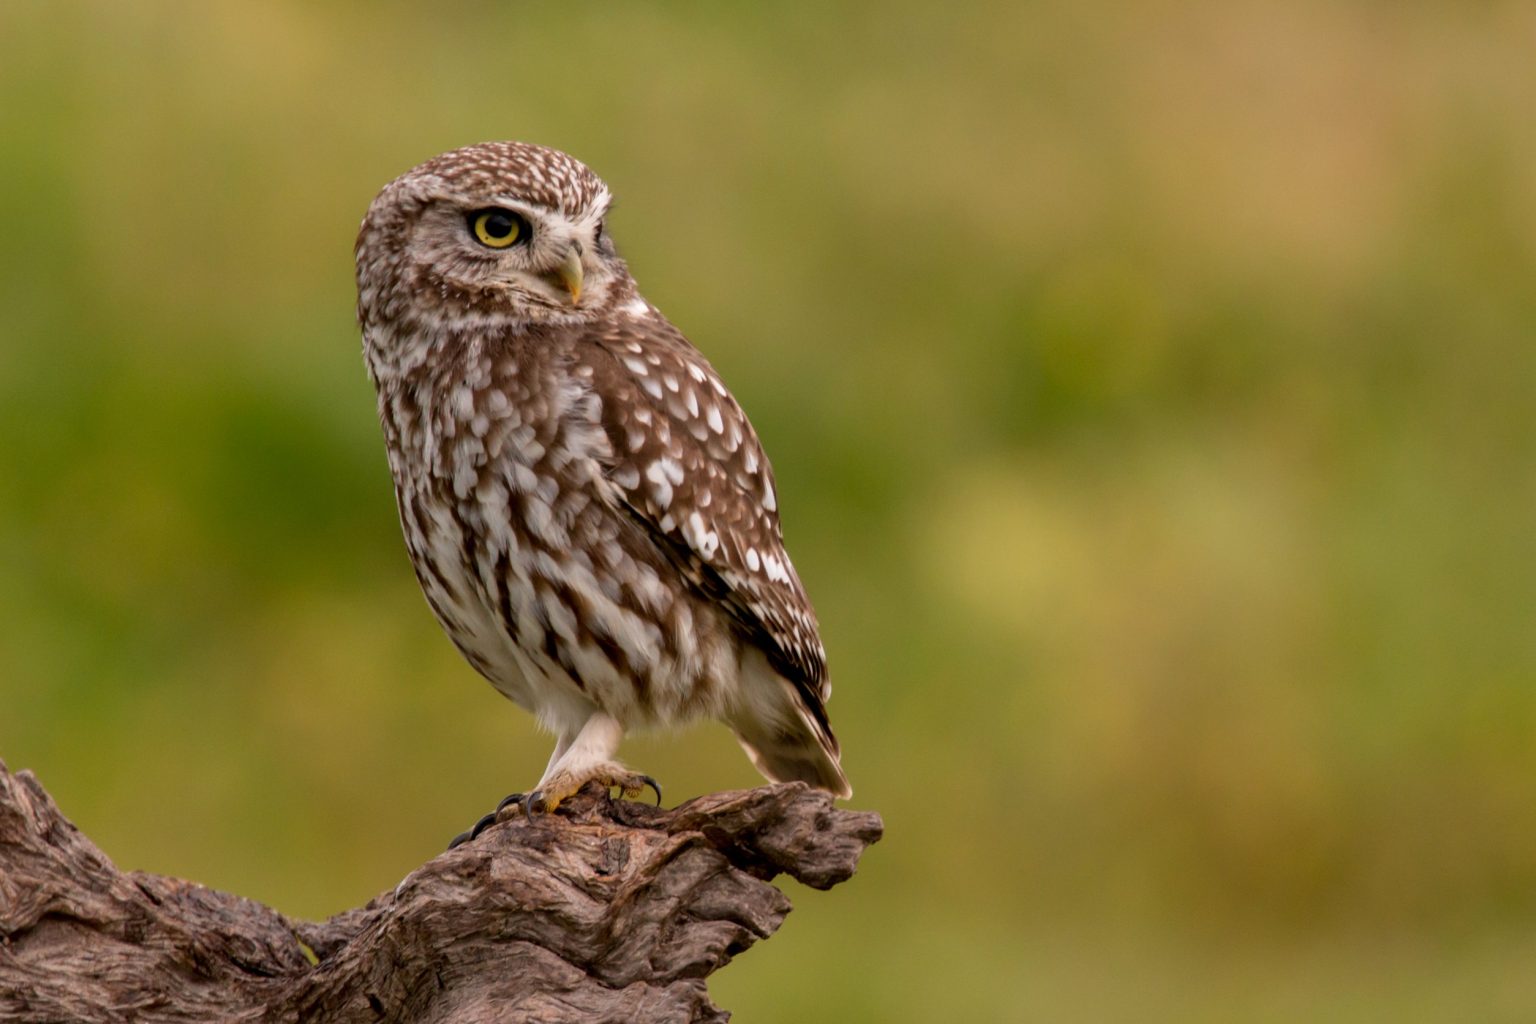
<point x="1152" y="393"/>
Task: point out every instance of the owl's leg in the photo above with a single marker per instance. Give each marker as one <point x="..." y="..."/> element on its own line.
<point x="561" y="746"/>
<point x="588" y="758"/>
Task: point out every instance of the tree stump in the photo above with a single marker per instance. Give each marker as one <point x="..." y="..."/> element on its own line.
<point x="603" y="911"/>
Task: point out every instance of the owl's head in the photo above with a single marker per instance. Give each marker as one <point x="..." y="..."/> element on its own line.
<point x="500" y="233"/>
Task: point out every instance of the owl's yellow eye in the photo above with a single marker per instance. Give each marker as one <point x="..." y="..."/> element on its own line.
<point x="497" y="228"/>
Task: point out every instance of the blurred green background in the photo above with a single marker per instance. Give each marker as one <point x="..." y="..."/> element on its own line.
<point x="1152" y="392"/>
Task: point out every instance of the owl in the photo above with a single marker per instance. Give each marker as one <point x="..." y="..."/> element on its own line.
<point x="588" y="510"/>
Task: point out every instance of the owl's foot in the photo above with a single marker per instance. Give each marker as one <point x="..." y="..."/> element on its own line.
<point x="580" y="758"/>
<point x="567" y="782"/>
<point x="560" y="788"/>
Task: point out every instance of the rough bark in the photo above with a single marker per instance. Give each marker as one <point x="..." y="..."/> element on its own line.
<point x="604" y="911"/>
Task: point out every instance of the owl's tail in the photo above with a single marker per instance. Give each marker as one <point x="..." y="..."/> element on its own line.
<point x="786" y="740"/>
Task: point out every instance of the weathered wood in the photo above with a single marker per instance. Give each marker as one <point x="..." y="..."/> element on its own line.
<point x="604" y="911"/>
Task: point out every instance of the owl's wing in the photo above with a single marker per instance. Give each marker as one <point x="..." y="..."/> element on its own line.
<point x="690" y="467"/>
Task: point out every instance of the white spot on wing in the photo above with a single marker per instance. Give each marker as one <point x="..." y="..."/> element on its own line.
<point x="661" y="488"/>
<point x="774" y="567"/>
<point x="704" y="540"/>
<point x="672" y="469"/>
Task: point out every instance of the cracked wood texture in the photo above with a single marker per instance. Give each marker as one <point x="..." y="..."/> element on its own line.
<point x="605" y="911"/>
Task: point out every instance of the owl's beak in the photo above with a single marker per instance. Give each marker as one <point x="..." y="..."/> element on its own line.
<point x="568" y="275"/>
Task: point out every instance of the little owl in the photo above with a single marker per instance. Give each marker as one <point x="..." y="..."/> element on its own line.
<point x="587" y="509"/>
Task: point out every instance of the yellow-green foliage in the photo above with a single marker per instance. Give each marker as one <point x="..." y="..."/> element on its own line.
<point x="1152" y="390"/>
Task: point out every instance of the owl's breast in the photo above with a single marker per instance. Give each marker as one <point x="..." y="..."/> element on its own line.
<point x="533" y="568"/>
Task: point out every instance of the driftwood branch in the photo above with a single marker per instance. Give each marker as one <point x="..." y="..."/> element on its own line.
<point x="605" y="911"/>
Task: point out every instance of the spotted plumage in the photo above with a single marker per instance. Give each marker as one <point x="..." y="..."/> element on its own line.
<point x="588" y="510"/>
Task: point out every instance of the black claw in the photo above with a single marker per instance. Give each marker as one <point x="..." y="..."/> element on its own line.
<point x="655" y="786"/>
<point x="474" y="833"/>
<point x="486" y="821"/>
<point x="528" y="802"/>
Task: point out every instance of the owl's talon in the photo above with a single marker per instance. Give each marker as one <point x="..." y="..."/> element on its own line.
<point x="485" y="822"/>
<point x="655" y="787"/>
<point x="633" y="784"/>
